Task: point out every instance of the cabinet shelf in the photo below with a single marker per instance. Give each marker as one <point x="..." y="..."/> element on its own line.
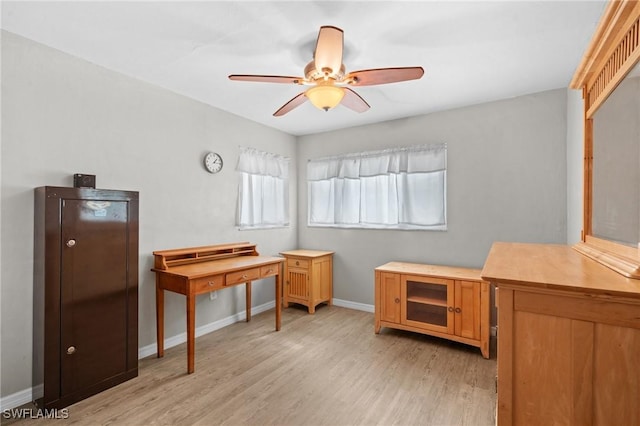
<point x="427" y="301"/>
<point x="164" y="259"/>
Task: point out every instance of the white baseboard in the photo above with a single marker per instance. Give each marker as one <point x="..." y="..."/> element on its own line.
<point x="28" y="395"/>
<point x="353" y="305"/>
<point x="204" y="329"/>
<point x="17" y="399"/>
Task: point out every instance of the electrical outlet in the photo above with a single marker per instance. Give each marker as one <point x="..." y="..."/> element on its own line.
<point x="213" y="295"/>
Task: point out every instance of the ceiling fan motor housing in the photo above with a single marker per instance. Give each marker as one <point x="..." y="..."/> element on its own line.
<point x="312" y="73"/>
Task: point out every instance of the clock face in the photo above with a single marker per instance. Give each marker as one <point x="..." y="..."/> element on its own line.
<point x="213" y="162"/>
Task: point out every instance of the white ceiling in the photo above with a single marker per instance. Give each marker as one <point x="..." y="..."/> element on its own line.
<point x="472" y="52"/>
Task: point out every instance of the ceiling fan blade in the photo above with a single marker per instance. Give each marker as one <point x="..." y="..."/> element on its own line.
<point x="266" y="78"/>
<point x="329" y="46"/>
<point x="354" y="101"/>
<point x="293" y="103"/>
<point x="384" y="76"/>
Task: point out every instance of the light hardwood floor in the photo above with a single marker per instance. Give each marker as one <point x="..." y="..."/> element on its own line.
<point x="323" y="369"/>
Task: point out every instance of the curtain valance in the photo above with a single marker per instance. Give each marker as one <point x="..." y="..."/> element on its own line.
<point x="413" y="159"/>
<point x="262" y="163"/>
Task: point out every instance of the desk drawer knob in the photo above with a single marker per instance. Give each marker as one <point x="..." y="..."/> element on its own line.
<point x="297" y="263"/>
<point x="211" y="283"/>
<point x="245" y="276"/>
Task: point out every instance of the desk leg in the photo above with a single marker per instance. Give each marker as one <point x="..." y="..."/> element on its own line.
<point x="279" y="300"/>
<point x="159" y="318"/>
<point x="191" y="332"/>
<point x="248" y="293"/>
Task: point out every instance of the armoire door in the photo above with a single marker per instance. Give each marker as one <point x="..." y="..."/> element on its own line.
<point x="94" y="265"/>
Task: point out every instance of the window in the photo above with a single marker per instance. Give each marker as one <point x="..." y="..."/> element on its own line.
<point x="263" y="191"/>
<point x="402" y="188"/>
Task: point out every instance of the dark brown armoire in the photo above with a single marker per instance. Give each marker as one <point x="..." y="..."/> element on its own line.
<point x="85" y="311"/>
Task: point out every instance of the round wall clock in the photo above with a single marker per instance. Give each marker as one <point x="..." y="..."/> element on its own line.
<point x="213" y="162"/>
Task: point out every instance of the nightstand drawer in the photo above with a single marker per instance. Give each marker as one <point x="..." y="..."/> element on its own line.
<point x="207" y="284"/>
<point x="242" y="276"/>
<point x="298" y="263"/>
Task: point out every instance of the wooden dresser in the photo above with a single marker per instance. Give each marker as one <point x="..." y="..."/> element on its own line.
<point x="308" y="278"/>
<point x="443" y="301"/>
<point x="568" y="338"/>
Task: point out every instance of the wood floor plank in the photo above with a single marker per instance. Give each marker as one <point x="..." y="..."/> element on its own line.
<point x="323" y="369"/>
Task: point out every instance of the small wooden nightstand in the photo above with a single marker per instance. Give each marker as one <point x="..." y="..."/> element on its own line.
<point x="308" y="278"/>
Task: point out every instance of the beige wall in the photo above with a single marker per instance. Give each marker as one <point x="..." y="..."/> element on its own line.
<point x="506" y="181"/>
<point x="62" y="115"/>
<point x="575" y="175"/>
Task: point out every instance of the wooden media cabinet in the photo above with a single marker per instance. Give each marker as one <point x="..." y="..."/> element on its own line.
<point x="442" y="301"/>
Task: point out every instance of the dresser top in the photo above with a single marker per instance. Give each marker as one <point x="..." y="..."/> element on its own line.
<point x="558" y="267"/>
<point x="306" y="253"/>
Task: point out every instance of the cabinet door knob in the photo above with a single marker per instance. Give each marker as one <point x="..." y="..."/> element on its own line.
<point x="450" y="309"/>
<point x="71" y="350"/>
<point x="458" y="310"/>
<point x="397" y="300"/>
<point x="71" y="243"/>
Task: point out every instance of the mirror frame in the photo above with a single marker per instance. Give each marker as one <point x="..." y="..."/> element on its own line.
<point x="613" y="51"/>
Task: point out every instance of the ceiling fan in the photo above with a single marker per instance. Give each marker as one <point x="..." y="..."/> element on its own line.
<point x="326" y="76"/>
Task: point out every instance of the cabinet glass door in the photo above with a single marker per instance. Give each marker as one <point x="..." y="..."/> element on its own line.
<point x="428" y="303"/>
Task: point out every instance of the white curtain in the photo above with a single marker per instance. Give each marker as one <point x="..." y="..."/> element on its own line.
<point x="263" y="191"/>
<point x="402" y="188"/>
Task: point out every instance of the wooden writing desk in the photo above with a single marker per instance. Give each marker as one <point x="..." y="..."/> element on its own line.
<point x="196" y="270"/>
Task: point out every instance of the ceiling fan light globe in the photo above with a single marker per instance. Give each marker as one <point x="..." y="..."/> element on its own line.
<point x="325" y="97"/>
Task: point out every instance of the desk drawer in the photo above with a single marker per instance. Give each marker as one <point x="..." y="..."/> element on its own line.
<point x="298" y="263"/>
<point x="269" y="271"/>
<point x="243" y="276"/>
<point x="207" y="284"/>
